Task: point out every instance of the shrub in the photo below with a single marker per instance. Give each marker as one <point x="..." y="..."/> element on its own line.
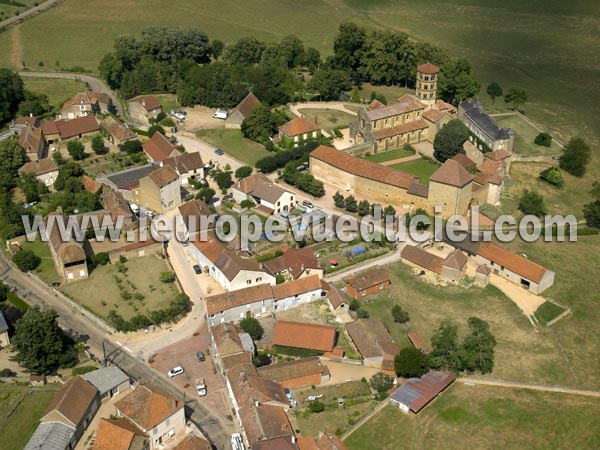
<point x="253" y="327"/>
<point x="362" y="313"/>
<point x="100" y="259"/>
<point x="7" y="373"/>
<point x="543" y="139"/>
<point x="243" y="172"/>
<point x="316" y="407"/>
<point x="382" y="382"/>
<point x="81" y="370"/>
<point x="354" y="305"/>
<point x="337" y="133"/>
<point x="532" y="203"/>
<point x="576" y="156"/>
<point x="399" y="315"/>
<point x="26" y="260"/>
<point x="552" y="176"/>
<point x="167" y="277"/>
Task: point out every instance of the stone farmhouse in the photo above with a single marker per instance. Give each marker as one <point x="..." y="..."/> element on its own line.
<point x="69" y="256"/>
<point x="450" y="269"/>
<point x="298" y="131"/>
<point x="158" y="148"/>
<point x="368" y="283"/>
<point x="262" y="299"/>
<point x="298" y="373"/>
<point x="159" y="191"/>
<point x="233" y="270"/>
<point x="62" y="130"/>
<point x="485" y="129"/>
<point x="411" y="119"/>
<point x="237" y="115"/>
<point x="33" y="143"/>
<point x="295" y="263"/>
<point x="86" y="103"/>
<point x="45" y="170"/>
<point x="259" y="188"/>
<point x="143" y="109"/>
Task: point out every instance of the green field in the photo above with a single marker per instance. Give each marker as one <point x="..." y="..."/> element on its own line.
<point x="328" y="119"/>
<point x="563" y="354"/>
<point x="20" y="411"/>
<point x="57" y="90"/>
<point x="234" y="144"/>
<point x="548" y="311"/>
<point x="100" y="292"/>
<point x="389" y="155"/>
<point x="391" y="93"/>
<point x="550" y="48"/>
<point x="486" y="417"/>
<point x="9" y="8"/>
<point x="422" y="168"/>
<point x="525" y="133"/>
<point x="46" y="270"/>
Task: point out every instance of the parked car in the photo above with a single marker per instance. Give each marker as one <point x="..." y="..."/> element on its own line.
<point x="200" y="356"/>
<point x="135" y="208"/>
<point x="312" y="398"/>
<point x="178" y="114"/>
<point x="220" y="114"/>
<point x="219" y="152"/>
<point x="308" y="204"/>
<point x="175" y="371"/>
<point x="197" y="269"/>
<point x="201" y="388"/>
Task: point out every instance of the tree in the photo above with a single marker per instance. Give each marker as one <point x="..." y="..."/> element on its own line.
<point x="167" y="277"/>
<point x="12" y="157"/>
<point x="389" y="211"/>
<point x="316" y="407"/>
<point x="3" y="292"/>
<point x="260" y="124"/>
<point x="253" y="327"/>
<point x="354" y="305"/>
<point x="575" y="158"/>
<point x="12" y="93"/>
<point x="223" y="179"/>
<point x="66" y="172"/>
<point x="132" y="147"/>
<point x="26" y="260"/>
<point x="100" y="259"/>
<point x="399" y="315"/>
<point x="330" y="83"/>
<point x="362" y="313"/>
<point x="355" y="97"/>
<point x="245" y="52"/>
<point x="543" y="139"/>
<point x="348" y="45"/>
<point x="449" y="140"/>
<point x="494" y="90"/>
<point x="76" y="149"/>
<point x="154" y="128"/>
<point x="363" y="208"/>
<point x="206" y="194"/>
<point x="478" y="347"/>
<point x="174" y="44"/>
<point x="351" y="204"/>
<point x="591" y="212"/>
<point x="421" y="226"/>
<point x="532" y="203"/>
<point x="39" y="342"/>
<point x="387" y="58"/>
<point x="595" y="190"/>
<point x="410" y="362"/>
<point x="291" y="51"/>
<point x="243" y="172"/>
<point x="444" y="344"/>
<point x="456" y="81"/>
<point x="216" y="48"/>
<point x="552" y="176"/>
<point x="382" y="382"/>
<point x="312" y="59"/>
<point x="34" y="104"/>
<point x="516" y="96"/>
<point x="98" y="144"/>
<point x="58" y="158"/>
<point x="338" y="200"/>
<point x="247" y="204"/>
<point x="31" y="187"/>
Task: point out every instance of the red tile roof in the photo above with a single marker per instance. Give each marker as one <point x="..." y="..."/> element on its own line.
<point x="361" y="167"/>
<point x="405" y="104"/>
<point x="299" y="125"/>
<point x="39" y="167"/>
<point x="192" y="442"/>
<point x="295" y="260"/>
<point x="422" y="258"/>
<point x="116" y="434"/>
<point x="149" y="102"/>
<point x="512" y="262"/>
<point x="368" y="279"/>
<point x="72" y="128"/>
<point x="428" y="68"/>
<point x="399" y="130"/>
<point x="297" y="368"/>
<point x="246" y="106"/>
<point x="163" y="176"/>
<point x="304" y="335"/>
<point x="371" y="338"/>
<point x="416" y="340"/>
<point x="73" y="400"/>
<point x="452" y="173"/>
<point x="148" y="406"/>
<point x="463" y="160"/>
<point x="159" y="148"/>
<point x="456" y="260"/>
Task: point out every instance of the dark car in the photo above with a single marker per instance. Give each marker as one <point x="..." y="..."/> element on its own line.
<point x="219" y="152"/>
<point x="197" y="269"/>
<point x="200" y="356"/>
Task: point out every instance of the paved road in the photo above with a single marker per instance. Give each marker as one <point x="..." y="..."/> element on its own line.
<point x="26" y="14"/>
<point x="34" y="292"/>
<point x="96" y="84"/>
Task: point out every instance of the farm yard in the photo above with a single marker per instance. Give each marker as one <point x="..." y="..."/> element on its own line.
<point x="234" y="144"/>
<point x="486" y="417"/>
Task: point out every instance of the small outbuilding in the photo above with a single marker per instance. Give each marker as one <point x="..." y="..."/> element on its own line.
<point x="416" y="393"/>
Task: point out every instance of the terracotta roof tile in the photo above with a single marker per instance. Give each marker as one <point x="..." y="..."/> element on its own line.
<point x="75" y="127"/>
<point x="336" y="297"/>
<point x="228" y="300"/>
<point x="296" y="287"/>
<point x="116" y="434"/>
<point x="147" y="406"/>
<point x="159" y="148"/>
<point x="246" y="106"/>
<point x="452" y="173"/>
<point x="261" y="186"/>
<point x="361" y="167"/>
<point x="149" y="102"/>
<point x="73" y="399"/>
<point x="456" y="260"/>
<point x="428" y="68"/>
<point x="163" y="176"/>
<point x="371" y="338"/>
<point x="299" y="125"/>
<point x="498" y="155"/>
<point x="289" y="370"/>
<point x="422" y="258"/>
<point x="399" y="130"/>
<point x="416" y="340"/>
<point x="192" y="442"/>
<point x="295" y="260"/>
<point x="304" y="335"/>
<point x="39" y="167"/>
<point x="405" y="104"/>
<point x="368" y="279"/>
<point x="463" y="160"/>
<point x="512" y="262"/>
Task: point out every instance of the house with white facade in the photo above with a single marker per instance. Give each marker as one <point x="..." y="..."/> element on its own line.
<point x="264" y="192"/>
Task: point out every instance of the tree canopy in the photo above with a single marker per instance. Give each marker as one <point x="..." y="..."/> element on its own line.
<point x="516" y="96"/>
<point x="12" y="157"/>
<point x="449" y="140"/>
<point x="494" y="90"/>
<point x="260" y="124"/>
<point x="411" y="362"/>
<point x="576" y="156"/>
<point x="532" y="203"/>
<point x="12" y="93"/>
<point x="456" y="81"/>
<point x="253" y="327"/>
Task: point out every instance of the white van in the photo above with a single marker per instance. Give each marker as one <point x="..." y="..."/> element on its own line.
<point x="236" y="442"/>
<point x="135" y="208"/>
<point x="220" y="114"/>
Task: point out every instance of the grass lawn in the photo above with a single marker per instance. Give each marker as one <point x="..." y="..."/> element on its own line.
<point x="234" y="144"/>
<point x="486" y="417"/>
<point x="328" y="119"/>
<point x="421" y="168"/>
<point x="567" y="200"/>
<point x="17" y="427"/>
<point x="563" y="354"/>
<point x="168" y="102"/>
<point x="57" y="90"/>
<point x="46" y="270"/>
<point x="389" y="155"/>
<point x="548" y="311"/>
<point x="524" y="136"/>
<point x="101" y="294"/>
<point x="391" y="93"/>
<point x="8" y="8"/>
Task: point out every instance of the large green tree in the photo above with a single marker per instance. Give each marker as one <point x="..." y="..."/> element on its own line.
<point x="12" y="93"/>
<point x="456" y="81"/>
<point x="532" y="203"/>
<point x="516" y="96"/>
<point x="348" y="46"/>
<point x="12" y="157"/>
<point x="330" y="83"/>
<point x="26" y="260"/>
<point x="477" y="353"/>
<point x="260" y="124"/>
<point x="253" y="327"/>
<point x="444" y="346"/>
<point x="76" y="149"/>
<point x="576" y="156"/>
<point x="411" y="362"/>
<point x="494" y="90"/>
<point x="449" y="140"/>
<point x="246" y="52"/>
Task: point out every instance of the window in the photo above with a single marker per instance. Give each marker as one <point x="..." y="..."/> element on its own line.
<point x="259" y="279"/>
<point x="248" y="281"/>
<point x="82" y="273"/>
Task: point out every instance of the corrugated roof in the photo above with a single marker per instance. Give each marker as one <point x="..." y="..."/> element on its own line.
<point x="416" y="393"/>
<point x="51" y="436"/>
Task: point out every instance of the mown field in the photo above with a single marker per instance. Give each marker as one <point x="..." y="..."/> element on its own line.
<point x="486" y="417"/>
<point x="234" y="144"/>
<point x="57" y="90"/>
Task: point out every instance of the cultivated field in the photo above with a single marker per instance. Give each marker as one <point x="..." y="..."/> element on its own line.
<point x="100" y="293"/>
<point x="234" y="144"/>
<point x="57" y="90"/>
<point x="486" y="417"/>
<point x="20" y="411"/>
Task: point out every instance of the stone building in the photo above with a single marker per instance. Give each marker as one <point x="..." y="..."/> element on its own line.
<point x="159" y="191"/>
<point x="485" y="129"/>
